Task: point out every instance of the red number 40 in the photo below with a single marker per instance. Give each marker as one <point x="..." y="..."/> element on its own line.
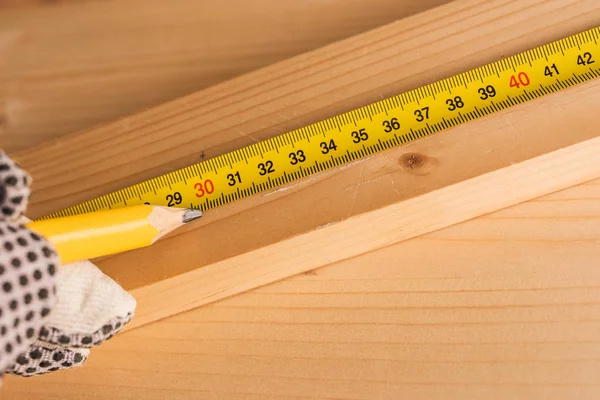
<point x="204" y="188"/>
<point x="521" y="79"/>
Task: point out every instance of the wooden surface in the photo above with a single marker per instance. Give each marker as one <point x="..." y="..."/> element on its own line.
<point x="69" y="65"/>
<point x="501" y="307"/>
<point x="248" y="243"/>
<point x="298" y="91"/>
<point x="504" y="168"/>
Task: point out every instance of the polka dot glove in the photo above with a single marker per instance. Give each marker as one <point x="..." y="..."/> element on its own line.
<point x="50" y="315"/>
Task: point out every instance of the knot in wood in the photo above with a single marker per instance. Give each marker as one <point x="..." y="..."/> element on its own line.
<point x="419" y="164"/>
<point x="412" y="161"/>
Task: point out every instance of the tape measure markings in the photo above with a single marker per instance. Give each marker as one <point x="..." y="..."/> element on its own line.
<point x="373" y="128"/>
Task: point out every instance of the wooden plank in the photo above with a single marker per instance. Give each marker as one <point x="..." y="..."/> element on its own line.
<point x="504" y="306"/>
<point x="294" y="93"/>
<point x="70" y="65"/>
<point x="231" y="251"/>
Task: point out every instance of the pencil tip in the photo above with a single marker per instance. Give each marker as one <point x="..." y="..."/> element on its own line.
<point x="190" y="215"/>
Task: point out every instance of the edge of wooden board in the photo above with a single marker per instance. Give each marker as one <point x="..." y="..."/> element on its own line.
<point x="378" y="228"/>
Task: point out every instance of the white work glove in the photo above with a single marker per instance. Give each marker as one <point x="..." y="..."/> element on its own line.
<point x="50" y="315"/>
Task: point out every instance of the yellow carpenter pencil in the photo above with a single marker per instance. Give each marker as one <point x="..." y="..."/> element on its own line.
<point x="86" y="236"/>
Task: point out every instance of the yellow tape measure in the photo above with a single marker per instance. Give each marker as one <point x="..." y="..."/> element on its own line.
<point x="367" y="130"/>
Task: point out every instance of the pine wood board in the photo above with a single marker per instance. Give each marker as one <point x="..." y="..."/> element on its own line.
<point x="69" y="65"/>
<point x="504" y="306"/>
<point x="525" y="152"/>
<point x="293" y="93"/>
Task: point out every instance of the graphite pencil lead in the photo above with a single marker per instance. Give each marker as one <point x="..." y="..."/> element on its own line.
<point x="190" y="215"/>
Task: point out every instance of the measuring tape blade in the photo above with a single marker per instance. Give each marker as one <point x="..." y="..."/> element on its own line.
<point x="367" y="130"/>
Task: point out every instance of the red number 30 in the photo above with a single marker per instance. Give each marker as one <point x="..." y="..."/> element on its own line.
<point x="204" y="188"/>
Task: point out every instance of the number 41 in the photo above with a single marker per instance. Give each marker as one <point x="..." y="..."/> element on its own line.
<point x="550" y="70"/>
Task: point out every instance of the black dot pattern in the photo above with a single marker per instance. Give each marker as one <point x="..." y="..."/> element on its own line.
<point x="23" y="298"/>
<point x="108" y="330"/>
<point x="14" y="188"/>
<point x="29" y="344"/>
<point x="41" y="360"/>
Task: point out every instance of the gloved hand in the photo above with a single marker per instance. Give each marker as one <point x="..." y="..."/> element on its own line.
<point x="50" y="315"/>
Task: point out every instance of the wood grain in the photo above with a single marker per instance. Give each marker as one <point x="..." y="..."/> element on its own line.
<point x="223" y="254"/>
<point x="414" y="213"/>
<point x="70" y="65"/>
<point x="291" y="94"/>
<point x="501" y="307"/>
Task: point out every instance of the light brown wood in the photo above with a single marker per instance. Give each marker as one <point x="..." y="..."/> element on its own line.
<point x="293" y="93"/>
<point x="501" y="307"/>
<point x="69" y="65"/>
<point x="230" y="251"/>
<point x="362" y="233"/>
